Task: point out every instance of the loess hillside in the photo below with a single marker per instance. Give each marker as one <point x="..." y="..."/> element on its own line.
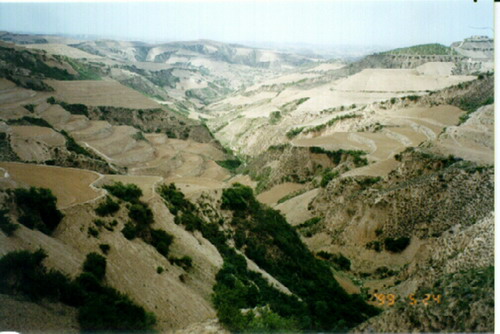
<point x="203" y="187"/>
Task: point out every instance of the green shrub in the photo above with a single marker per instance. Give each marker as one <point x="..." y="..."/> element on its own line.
<point x="38" y="209"/>
<point x="129" y="192"/>
<point x="141" y="214"/>
<point x="6" y="224"/>
<point x="375" y="245"/>
<point x="341" y="262"/>
<point x="274" y="117"/>
<point x="396" y="245"/>
<point x="105" y="248"/>
<point x="108" y="207"/>
<point x="309" y="223"/>
<point x="111" y="310"/>
<point x="130" y="231"/>
<point x="175" y="199"/>
<point x="30" y="107"/>
<point x="368" y="181"/>
<point x="327" y="177"/>
<point x="324" y="255"/>
<point x="161" y="241"/>
<point x="191" y="221"/>
<point x="76" y="109"/>
<point x="159" y="270"/>
<point x="413" y="98"/>
<point x="294" y="132"/>
<point x="185" y="262"/>
<point x="22" y="272"/>
<point x="95" y="264"/>
<point x="384" y="272"/>
<point x="238" y="198"/>
<point x="336" y="156"/>
<point x="92" y="232"/>
<point x="231" y="164"/>
<point x="73" y="146"/>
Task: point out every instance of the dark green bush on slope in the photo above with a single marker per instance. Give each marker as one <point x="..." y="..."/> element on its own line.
<point x="129" y="193"/>
<point x="6" y="224"/>
<point x="38" y="209"/>
<point x="96" y="265"/>
<point x="161" y="240"/>
<point x="396" y="245"/>
<point x="108" y="207"/>
<point x="175" y="199"/>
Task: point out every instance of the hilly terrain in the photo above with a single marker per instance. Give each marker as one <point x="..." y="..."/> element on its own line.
<point x="204" y="187"/>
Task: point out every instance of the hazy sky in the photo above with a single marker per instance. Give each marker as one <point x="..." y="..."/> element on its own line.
<point x="387" y="23"/>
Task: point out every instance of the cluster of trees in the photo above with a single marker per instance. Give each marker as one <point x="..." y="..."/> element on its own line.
<point x="336" y="156"/>
<point x="141" y="218"/>
<point x="37" y="208"/>
<point x="108" y="207"/>
<point x="100" y="307"/>
<point x="73" y="108"/>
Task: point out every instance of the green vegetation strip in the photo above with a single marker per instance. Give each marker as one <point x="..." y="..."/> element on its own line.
<point x="73" y="108"/>
<point x="336" y="156"/>
<point x="264" y="236"/>
<point x="274" y="245"/>
<point x="27" y="120"/>
<point x="424" y="50"/>
<point x="329" y="123"/>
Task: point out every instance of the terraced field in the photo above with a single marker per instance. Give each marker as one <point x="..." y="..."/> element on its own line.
<point x="70" y="186"/>
<point x="101" y="93"/>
